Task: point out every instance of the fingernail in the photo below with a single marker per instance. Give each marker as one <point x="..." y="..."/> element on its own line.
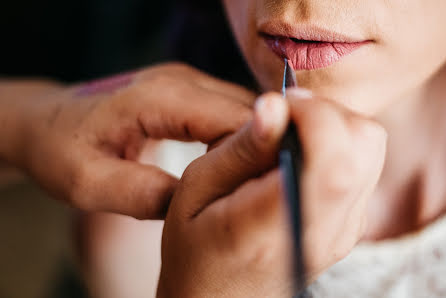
<point x="299" y="93"/>
<point x="268" y="114"/>
<point x="259" y="123"/>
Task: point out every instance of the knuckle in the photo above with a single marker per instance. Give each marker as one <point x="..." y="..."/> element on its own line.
<point x="171" y="87"/>
<point x="177" y="66"/>
<point x="170" y="70"/>
<point x="160" y="76"/>
<point x="162" y="79"/>
<point x="126" y="100"/>
<point x="169" y="67"/>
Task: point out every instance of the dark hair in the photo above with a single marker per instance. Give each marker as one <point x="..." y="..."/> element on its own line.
<point x="201" y="37"/>
<point x="115" y="36"/>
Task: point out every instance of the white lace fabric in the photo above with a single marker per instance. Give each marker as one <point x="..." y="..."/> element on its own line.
<point x="413" y="266"/>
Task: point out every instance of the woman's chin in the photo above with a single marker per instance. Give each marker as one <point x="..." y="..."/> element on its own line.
<point x="346" y="82"/>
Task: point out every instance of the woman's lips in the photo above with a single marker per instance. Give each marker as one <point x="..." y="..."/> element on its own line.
<point x="310" y="54"/>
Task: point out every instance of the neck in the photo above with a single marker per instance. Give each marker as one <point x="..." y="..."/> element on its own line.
<point x="411" y="192"/>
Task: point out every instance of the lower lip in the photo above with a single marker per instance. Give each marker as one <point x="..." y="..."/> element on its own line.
<point x="307" y="55"/>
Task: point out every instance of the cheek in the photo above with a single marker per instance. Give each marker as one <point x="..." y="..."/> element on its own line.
<point x="418" y="35"/>
<point x="238" y="12"/>
<point x="413" y="45"/>
<point x="242" y="15"/>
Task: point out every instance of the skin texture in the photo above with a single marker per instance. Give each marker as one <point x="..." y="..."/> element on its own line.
<point x="398" y="80"/>
<point x="82" y="143"/>
<point x="108" y="85"/>
<point x="239" y="217"/>
<point x="359" y="81"/>
<point x="344" y="151"/>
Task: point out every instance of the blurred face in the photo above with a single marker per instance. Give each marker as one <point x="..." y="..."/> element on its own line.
<point x="361" y="53"/>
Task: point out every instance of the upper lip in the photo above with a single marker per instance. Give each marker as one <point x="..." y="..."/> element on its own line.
<point x="304" y="32"/>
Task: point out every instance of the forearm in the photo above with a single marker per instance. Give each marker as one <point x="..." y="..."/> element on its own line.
<point x="18" y="109"/>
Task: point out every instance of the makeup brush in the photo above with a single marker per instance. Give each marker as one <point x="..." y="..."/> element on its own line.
<point x="290" y="163"/>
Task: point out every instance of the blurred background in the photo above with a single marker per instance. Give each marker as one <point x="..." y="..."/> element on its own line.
<point x="78" y="40"/>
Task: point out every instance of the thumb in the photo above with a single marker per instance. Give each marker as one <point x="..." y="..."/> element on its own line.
<point x="244" y="155"/>
<point x="124" y="187"/>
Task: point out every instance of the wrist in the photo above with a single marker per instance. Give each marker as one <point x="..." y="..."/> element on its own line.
<point x="21" y="106"/>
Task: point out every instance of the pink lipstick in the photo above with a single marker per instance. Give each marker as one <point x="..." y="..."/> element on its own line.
<point x="310" y="54"/>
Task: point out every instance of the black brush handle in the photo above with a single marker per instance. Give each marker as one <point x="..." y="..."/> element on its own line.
<point x="290" y="162"/>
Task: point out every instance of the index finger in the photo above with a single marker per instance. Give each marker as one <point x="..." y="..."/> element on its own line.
<point x="213" y="84"/>
<point x="242" y="156"/>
